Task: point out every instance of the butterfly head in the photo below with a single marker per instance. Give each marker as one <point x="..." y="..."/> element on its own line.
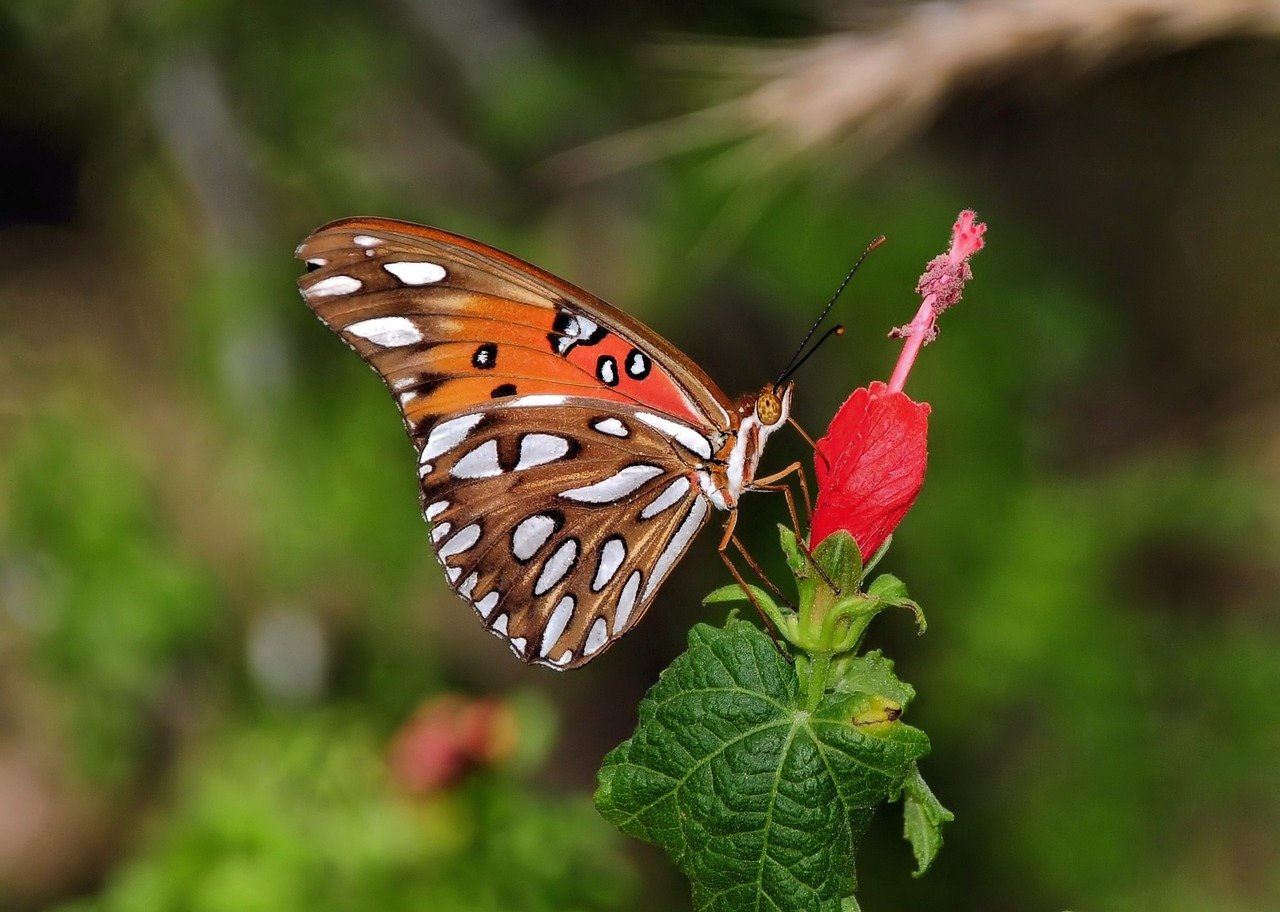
<point x="773" y="404"/>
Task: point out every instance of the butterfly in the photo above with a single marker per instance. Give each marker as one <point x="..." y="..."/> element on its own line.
<point x="568" y="454"/>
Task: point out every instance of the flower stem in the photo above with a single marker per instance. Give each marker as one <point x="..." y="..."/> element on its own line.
<point x="917" y="331"/>
<point x="819" y="671"/>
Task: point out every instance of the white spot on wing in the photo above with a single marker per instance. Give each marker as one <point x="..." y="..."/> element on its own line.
<point x="558" y="621"/>
<point x="667" y="499"/>
<point x="431" y="512"/>
<point x="453" y="573"/>
<point x="500" y="625"/>
<point x="365" y="240"/>
<point x="448" y="434"/>
<point x="612" y="554"/>
<point x="517" y="645"/>
<point x="416" y="273"/>
<point x="440" y="531"/>
<point x="539" y="449"/>
<point x="334" y="285"/>
<point x="682" y="434"/>
<point x="425" y="469"/>
<point x="565" y="658"/>
<point x="464" y="538"/>
<point x="598" y="636"/>
<point x="626" y="603"/>
<point x="582" y="327"/>
<point x="675" y="547"/>
<point x="389" y="332"/>
<point x="529" y="401"/>
<point x="468" y="585"/>
<point x="482" y="462"/>
<point x="531" y="535"/>
<point x="615" y="486"/>
<point x="486" y="605"/>
<point x="316" y="261"/>
<point x="611" y="426"/>
<point x="556" y="567"/>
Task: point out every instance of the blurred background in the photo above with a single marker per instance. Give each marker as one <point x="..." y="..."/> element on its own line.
<point x="231" y="676"/>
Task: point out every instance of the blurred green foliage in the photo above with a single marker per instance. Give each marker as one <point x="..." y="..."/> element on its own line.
<point x="187" y="454"/>
<point x="298" y="814"/>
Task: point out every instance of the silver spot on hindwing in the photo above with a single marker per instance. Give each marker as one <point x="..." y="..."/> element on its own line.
<point x="611" y="426"/>
<point x="482" y="462"/>
<point x="539" y="449"/>
<point x="486" y="605"/>
<point x="463" y="539"/>
<point x="557" y="565"/>
<point x="676" y="545"/>
<point x="532" y="534"/>
<point x="626" y="603"/>
<point x="597" y="637"/>
<point x="615" y="486"/>
<point x="448" y="434"/>
<point x="667" y="499"/>
<point x="556" y="624"/>
<point x="612" y="553"/>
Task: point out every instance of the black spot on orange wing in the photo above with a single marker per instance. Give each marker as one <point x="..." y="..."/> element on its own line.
<point x="506" y="389"/>
<point x="485" y="357"/>
<point x="637" y="364"/>
<point x="607" y="370"/>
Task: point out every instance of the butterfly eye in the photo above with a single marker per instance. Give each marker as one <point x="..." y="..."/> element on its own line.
<point x="768" y="407"/>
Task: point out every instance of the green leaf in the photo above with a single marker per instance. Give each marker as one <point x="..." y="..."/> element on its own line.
<point x="761" y="804"/>
<point x="838" y="556"/>
<point x="873" y="674"/>
<point x="922" y="818"/>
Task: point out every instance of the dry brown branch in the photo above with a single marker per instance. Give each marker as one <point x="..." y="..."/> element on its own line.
<point x="875" y="87"/>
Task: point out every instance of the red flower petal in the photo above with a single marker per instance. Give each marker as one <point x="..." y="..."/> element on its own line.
<point x="870" y="466"/>
<point x="447" y="738"/>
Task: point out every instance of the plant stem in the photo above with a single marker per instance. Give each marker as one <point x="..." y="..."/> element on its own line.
<point x="819" y="669"/>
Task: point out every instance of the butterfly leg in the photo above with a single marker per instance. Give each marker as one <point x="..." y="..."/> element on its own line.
<point x="729" y="538"/>
<point x="768" y="483"/>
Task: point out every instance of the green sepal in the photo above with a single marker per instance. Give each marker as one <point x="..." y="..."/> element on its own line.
<point x="875" y="558"/>
<point x="797" y="559"/>
<point x="892" y="592"/>
<point x="922" y="818"/>
<point x="837" y="555"/>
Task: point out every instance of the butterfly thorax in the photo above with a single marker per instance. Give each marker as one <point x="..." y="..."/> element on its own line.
<point x="733" y="467"/>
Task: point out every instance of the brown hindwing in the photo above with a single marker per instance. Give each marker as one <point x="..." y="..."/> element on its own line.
<point x="558" y="522"/>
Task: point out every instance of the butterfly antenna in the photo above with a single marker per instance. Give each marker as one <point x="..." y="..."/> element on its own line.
<point x="796" y="359"/>
<point x="837" y="330"/>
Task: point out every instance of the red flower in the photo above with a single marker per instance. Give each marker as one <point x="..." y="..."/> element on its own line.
<point x="870" y="466"/>
<point x="871" y="463"/>
<point x="448" y="737"/>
